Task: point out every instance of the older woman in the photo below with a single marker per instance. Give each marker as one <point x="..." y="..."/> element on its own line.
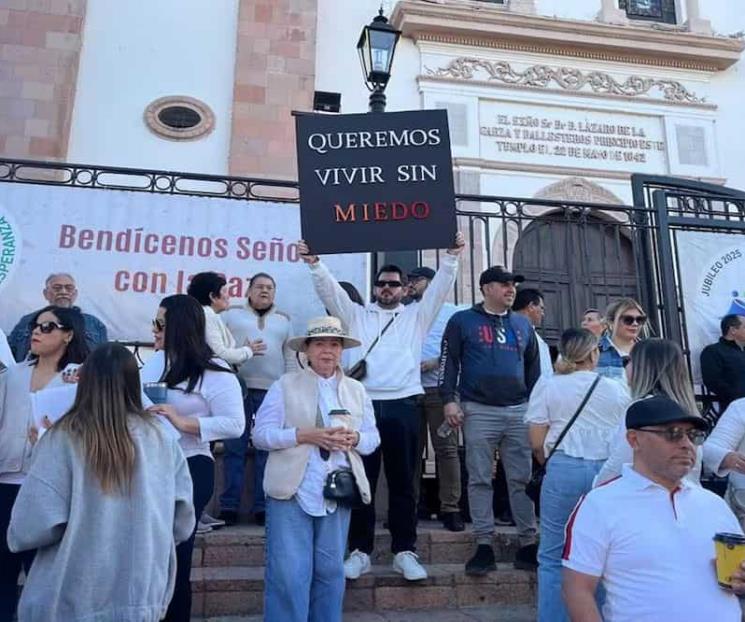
<point x="314" y="422"/>
<point x="599" y="405"/>
<point x="626" y="323"/>
<point x="57" y="340"/>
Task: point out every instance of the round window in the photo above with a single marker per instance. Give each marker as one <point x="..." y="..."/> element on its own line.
<point x="179" y="118"/>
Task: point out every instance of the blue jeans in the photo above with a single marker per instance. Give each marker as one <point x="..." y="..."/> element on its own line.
<point x="566" y="480"/>
<point x="304" y="578"/>
<point x="234" y="461"/>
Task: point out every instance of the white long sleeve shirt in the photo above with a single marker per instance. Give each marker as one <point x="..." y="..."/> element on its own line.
<point x="393" y="365"/>
<point x="220" y="339"/>
<point x="216" y="401"/>
<point x="269" y="434"/>
<point x="728" y="435"/>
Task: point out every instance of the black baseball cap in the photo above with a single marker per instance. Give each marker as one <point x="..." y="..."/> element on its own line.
<point x="422" y="271"/>
<point x="659" y="410"/>
<point x="500" y="275"/>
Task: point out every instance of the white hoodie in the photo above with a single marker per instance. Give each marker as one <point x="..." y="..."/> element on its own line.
<point x="393" y="364"/>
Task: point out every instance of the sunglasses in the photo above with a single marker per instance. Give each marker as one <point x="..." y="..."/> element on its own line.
<point x="388" y="283"/>
<point x="625" y="360"/>
<point x="630" y="320"/>
<point x="46" y="327"/>
<point x="675" y="435"/>
<point x="159" y="325"/>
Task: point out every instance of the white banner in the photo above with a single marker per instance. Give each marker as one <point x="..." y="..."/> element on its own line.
<point x="128" y="250"/>
<point x="712" y="275"/>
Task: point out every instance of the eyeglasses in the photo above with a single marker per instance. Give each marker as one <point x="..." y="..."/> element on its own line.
<point x="675" y="435"/>
<point x="388" y="284"/>
<point x="46" y="327"/>
<point x="630" y="320"/>
<point x="159" y="325"/>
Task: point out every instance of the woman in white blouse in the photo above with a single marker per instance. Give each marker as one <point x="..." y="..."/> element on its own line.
<point x="312" y="422"/>
<point x="211" y="291"/>
<point x="579" y="456"/>
<point x="57" y="340"/>
<point x="204" y="403"/>
<point x="724" y="454"/>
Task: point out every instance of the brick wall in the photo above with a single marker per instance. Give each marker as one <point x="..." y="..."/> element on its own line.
<point x="40" y="44"/>
<point x="274" y="74"/>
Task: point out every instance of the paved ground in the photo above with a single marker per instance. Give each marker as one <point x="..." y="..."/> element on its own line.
<point x="492" y="613"/>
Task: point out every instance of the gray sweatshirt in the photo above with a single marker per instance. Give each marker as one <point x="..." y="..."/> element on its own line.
<point x="101" y="557"/>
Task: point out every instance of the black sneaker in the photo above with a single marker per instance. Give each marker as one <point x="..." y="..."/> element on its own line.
<point x="260" y="518"/>
<point x="526" y="557"/>
<point x="229" y="516"/>
<point x="482" y="562"/>
<point x="453" y="521"/>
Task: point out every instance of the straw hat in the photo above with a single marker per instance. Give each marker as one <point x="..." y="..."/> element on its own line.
<point x="326" y="326"/>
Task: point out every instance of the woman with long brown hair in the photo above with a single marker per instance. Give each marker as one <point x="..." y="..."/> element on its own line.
<point x="203" y="402"/>
<point x="655" y="367"/>
<point x="105" y="502"/>
<point x="57" y="341"/>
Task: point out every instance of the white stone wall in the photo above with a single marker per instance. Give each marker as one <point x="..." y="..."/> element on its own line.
<point x="137" y="51"/>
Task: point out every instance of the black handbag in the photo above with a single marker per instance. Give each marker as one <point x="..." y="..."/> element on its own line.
<point x="359" y="370"/>
<point x="341" y="486"/>
<point x="533" y="487"/>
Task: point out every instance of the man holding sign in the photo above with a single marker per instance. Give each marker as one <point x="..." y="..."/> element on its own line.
<point x="392" y="336"/>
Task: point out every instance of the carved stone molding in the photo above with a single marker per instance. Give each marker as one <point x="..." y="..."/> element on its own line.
<point x="580" y="190"/>
<point x="489" y="27"/>
<point x="567" y="78"/>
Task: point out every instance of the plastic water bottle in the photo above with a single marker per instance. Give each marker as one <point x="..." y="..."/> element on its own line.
<point x="445" y="430"/>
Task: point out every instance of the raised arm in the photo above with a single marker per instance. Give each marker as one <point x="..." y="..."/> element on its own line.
<point x="333" y="297"/>
<point x="441" y="285"/>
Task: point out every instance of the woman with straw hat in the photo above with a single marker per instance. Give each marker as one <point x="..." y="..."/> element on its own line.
<point x="315" y="423"/>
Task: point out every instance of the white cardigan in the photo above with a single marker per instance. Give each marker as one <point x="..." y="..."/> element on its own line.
<point x="221" y="341"/>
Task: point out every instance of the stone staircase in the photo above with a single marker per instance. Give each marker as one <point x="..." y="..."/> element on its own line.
<point x="228" y="574"/>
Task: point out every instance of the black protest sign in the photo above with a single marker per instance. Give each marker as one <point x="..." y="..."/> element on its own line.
<point x="375" y="182"/>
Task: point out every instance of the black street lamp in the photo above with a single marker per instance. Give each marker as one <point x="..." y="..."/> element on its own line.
<point x="376" y="47"/>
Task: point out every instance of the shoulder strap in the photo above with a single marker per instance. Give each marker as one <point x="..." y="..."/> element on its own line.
<point x="574" y="417"/>
<point x="382" y="332"/>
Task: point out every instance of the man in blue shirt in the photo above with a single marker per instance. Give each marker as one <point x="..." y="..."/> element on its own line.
<point x="489" y="364"/>
<point x="59" y="290"/>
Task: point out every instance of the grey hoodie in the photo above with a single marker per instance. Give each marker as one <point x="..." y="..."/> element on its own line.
<point x="101" y="557"/>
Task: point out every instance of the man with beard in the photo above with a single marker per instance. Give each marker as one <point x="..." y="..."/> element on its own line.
<point x="391" y="334"/>
<point x="59" y="290"/>
<point x="648" y="535"/>
<point x="488" y="367"/>
<point x="258" y="320"/>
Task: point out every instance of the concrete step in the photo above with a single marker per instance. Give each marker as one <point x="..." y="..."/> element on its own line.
<point x="243" y="545"/>
<point x="491" y="613"/>
<point x="238" y="590"/>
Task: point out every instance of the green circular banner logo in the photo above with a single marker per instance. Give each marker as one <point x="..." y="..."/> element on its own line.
<point x="10" y="247"/>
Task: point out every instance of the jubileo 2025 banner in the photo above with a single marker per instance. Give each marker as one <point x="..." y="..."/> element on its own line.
<point x="127" y="250"/>
<point x="712" y="274"/>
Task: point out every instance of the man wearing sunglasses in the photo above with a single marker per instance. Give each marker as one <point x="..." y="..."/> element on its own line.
<point x="59" y="290"/>
<point x="648" y="534"/>
<point x="392" y="335"/>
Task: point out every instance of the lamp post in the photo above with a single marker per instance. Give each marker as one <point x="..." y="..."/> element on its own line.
<point x="376" y="47"/>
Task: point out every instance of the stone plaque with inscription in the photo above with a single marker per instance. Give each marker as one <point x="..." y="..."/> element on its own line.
<point x="571" y="137"/>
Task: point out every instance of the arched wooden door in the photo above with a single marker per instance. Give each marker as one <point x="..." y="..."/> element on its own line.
<point x="577" y="262"/>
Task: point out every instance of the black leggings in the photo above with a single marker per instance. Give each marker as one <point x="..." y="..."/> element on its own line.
<point x="10" y="563"/>
<point x="202" y="470"/>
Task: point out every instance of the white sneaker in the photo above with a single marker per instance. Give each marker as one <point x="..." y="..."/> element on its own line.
<point x="203" y="528"/>
<point x="357" y="564"/>
<point x="407" y="564"/>
<point x="213" y="522"/>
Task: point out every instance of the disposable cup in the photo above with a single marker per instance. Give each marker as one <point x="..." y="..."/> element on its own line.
<point x="730" y="551"/>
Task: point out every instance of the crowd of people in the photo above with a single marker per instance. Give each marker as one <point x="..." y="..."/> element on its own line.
<point x="100" y="507"/>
